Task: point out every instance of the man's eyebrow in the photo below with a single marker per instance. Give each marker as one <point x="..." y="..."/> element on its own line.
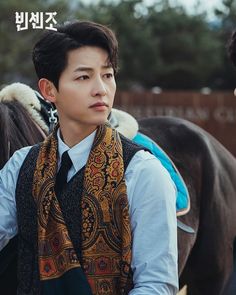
<point x="89" y="69"/>
<point x="108" y="66"/>
<point x="80" y="69"/>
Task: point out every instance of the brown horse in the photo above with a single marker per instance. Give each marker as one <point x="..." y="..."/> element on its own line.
<point x="22" y="123"/>
<point x="209" y="171"/>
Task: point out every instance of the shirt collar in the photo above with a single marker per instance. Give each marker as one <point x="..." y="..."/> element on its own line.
<point x="79" y="153"/>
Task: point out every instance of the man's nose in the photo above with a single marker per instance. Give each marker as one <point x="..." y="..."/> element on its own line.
<point x="99" y="88"/>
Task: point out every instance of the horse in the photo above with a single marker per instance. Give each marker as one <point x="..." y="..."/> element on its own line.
<point x="209" y="171"/>
<point x="22" y="123"/>
<point x="205" y="257"/>
<point x="22" y="119"/>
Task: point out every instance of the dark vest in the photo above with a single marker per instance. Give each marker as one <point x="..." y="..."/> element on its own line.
<point x="28" y="270"/>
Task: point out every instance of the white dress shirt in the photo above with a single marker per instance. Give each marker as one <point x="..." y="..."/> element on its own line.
<point x="151" y="195"/>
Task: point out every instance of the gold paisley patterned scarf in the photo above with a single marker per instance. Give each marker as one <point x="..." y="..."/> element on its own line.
<point x="105" y="228"/>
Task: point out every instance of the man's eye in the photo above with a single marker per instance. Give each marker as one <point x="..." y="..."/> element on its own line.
<point x="84" y="77"/>
<point x="108" y="75"/>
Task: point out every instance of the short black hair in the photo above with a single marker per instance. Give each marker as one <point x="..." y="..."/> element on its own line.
<point x="232" y="48"/>
<point x="50" y="52"/>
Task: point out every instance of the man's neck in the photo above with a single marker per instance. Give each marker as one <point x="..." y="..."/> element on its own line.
<point x="72" y="135"/>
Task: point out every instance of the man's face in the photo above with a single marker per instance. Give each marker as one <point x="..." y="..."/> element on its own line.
<point x="86" y="88"/>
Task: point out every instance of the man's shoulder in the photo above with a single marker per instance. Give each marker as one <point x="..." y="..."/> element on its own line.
<point x="145" y="160"/>
<point x="138" y="157"/>
<point x="17" y="158"/>
<point x="21" y="152"/>
<point x="129" y="150"/>
<point x="29" y="156"/>
<point x="9" y="173"/>
<point x="129" y="143"/>
<point x="145" y="164"/>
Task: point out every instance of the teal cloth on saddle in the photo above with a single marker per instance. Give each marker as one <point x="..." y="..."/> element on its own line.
<point x="182" y="192"/>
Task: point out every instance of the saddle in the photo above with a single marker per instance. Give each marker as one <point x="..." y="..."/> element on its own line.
<point x="128" y="126"/>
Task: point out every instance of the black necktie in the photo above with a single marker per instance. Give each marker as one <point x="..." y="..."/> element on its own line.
<point x="61" y="178"/>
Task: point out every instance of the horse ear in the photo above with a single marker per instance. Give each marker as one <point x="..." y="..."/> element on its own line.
<point x="47" y="89"/>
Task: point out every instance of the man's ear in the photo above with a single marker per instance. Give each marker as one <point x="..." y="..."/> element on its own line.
<point x="47" y="89"/>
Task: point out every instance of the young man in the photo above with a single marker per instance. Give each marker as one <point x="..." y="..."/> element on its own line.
<point x="110" y="227"/>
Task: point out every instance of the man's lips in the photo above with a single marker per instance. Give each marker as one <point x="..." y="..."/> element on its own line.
<point x="99" y="104"/>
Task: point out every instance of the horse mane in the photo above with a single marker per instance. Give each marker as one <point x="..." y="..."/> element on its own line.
<point x="17" y="129"/>
<point x="29" y="99"/>
<point x="24" y="119"/>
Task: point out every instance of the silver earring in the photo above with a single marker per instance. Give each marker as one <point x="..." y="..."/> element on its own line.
<point x="52" y="118"/>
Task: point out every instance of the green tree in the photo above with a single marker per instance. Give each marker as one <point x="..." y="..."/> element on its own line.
<point x="160" y="45"/>
<point x="227" y="18"/>
<point x="189" y="48"/>
<point x="136" y="45"/>
<point x="16" y="46"/>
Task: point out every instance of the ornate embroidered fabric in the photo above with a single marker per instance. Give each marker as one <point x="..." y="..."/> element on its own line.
<point x="105" y="226"/>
